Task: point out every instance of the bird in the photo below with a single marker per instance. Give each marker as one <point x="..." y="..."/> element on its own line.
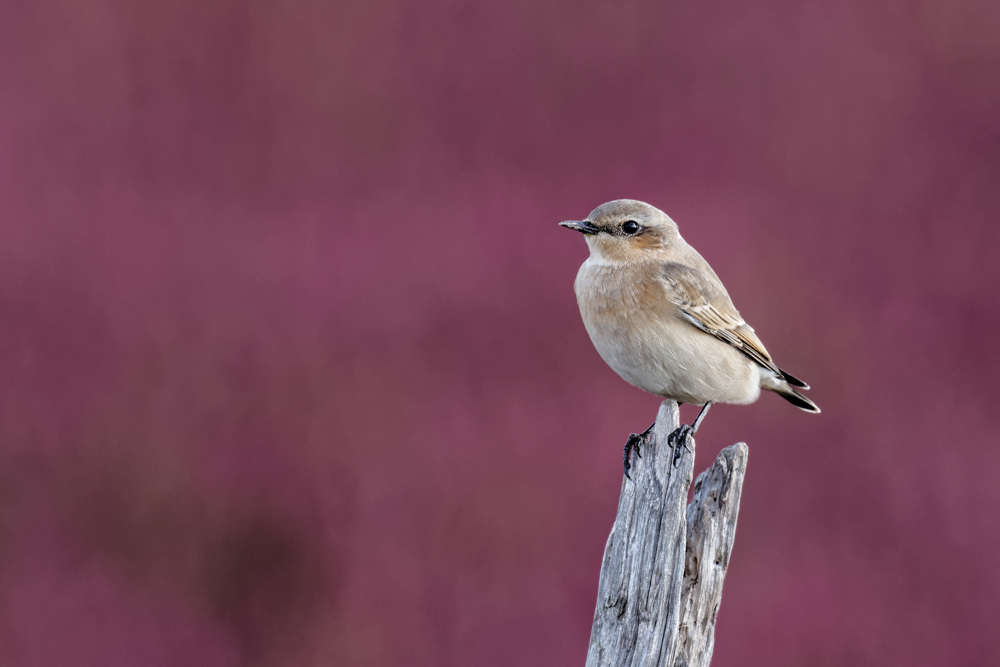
<point x="662" y="319"/>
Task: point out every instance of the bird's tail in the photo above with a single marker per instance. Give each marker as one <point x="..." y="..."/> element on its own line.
<point x="792" y="380"/>
<point x="787" y="387"/>
<point x="797" y="399"/>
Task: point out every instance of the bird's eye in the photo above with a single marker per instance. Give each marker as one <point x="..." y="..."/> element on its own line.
<point x="630" y="227"/>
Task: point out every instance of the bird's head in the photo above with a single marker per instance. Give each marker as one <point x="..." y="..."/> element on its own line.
<point x="625" y="230"/>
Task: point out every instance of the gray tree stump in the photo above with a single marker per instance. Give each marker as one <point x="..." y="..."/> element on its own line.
<point x="661" y="580"/>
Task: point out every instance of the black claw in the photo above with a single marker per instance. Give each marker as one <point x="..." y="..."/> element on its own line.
<point x="682" y="434"/>
<point x="635" y="441"/>
<point x="632" y="443"/>
<point x="679" y="438"/>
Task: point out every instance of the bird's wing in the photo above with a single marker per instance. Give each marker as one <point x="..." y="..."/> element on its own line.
<point x="705" y="304"/>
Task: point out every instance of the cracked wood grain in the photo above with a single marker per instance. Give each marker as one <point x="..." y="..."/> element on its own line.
<point x="664" y="564"/>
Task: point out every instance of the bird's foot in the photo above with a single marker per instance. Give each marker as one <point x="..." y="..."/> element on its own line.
<point x="682" y="434"/>
<point x="680" y="437"/>
<point x="635" y="440"/>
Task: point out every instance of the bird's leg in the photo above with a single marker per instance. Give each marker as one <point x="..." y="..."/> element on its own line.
<point x="701" y="415"/>
<point x="633" y="443"/>
<point x="681" y="434"/>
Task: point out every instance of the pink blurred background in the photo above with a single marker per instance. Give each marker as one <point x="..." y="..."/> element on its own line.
<point x="291" y="369"/>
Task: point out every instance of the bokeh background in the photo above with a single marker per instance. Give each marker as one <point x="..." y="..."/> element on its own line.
<point x="291" y="370"/>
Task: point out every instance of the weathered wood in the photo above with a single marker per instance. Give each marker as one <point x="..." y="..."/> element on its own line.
<point x="649" y="613"/>
<point x="711" y="529"/>
<point x="638" y="599"/>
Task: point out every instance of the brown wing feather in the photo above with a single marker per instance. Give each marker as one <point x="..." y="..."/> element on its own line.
<point x="707" y="306"/>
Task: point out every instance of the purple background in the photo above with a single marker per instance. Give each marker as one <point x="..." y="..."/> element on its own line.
<point x="291" y="370"/>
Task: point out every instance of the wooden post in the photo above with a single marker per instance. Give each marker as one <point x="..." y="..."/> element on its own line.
<point x="661" y="580"/>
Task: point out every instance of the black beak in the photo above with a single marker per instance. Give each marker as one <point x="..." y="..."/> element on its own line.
<point x="584" y="226"/>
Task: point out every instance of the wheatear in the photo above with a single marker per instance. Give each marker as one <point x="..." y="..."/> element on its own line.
<point x="661" y="318"/>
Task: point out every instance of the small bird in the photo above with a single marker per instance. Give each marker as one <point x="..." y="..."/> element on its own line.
<point x="661" y="318"/>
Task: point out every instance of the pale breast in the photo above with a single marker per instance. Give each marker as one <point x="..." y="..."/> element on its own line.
<point x="639" y="332"/>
